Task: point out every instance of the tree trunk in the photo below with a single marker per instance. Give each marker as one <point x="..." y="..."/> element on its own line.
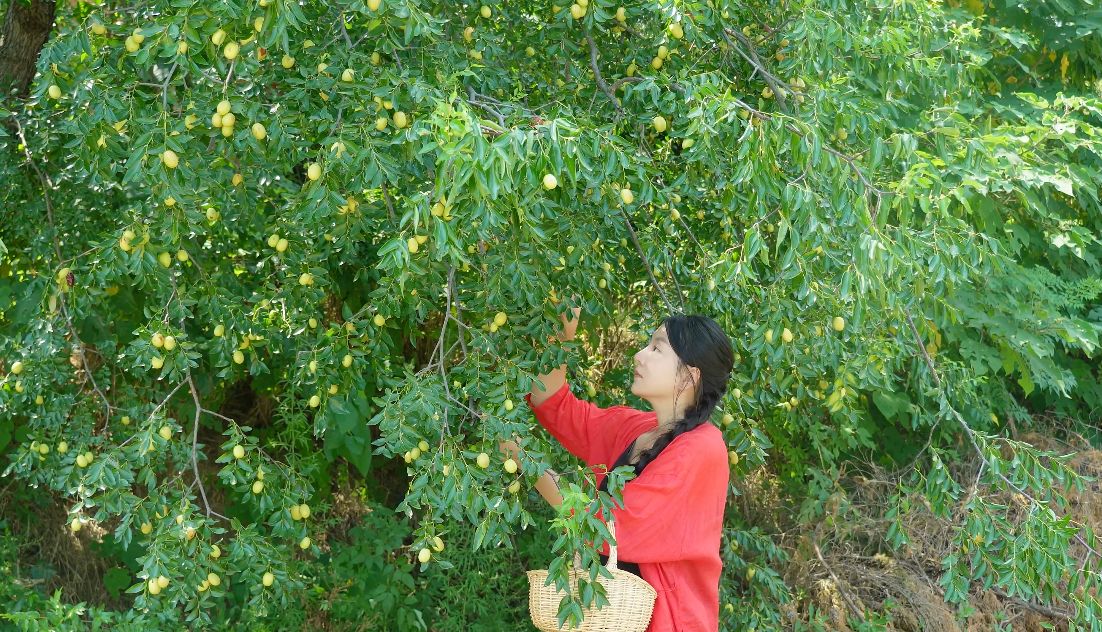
<point x="27" y="26"/>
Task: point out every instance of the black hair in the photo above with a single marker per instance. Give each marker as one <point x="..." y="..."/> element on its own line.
<point x="699" y="342"/>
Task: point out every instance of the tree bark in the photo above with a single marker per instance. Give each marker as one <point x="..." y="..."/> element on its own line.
<point x="27" y="26"/>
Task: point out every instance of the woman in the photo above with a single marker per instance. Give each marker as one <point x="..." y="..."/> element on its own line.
<point x="669" y="529"/>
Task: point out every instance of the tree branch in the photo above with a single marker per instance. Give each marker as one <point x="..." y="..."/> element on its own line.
<point x="646" y="263"/>
<point x="47" y="186"/>
<point x="779" y="87"/>
<point x="601" y="83"/>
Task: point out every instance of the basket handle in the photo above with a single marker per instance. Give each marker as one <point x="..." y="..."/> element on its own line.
<point x="611" y="546"/>
<point x="612" y="563"/>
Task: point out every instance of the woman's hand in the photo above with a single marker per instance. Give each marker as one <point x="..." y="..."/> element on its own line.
<point x="570" y="327"/>
<point x="510" y="449"/>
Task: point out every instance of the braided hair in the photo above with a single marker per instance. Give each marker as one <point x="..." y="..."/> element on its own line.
<point x="700" y="342"/>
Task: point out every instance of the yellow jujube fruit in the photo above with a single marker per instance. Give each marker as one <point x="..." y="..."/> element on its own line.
<point x="170" y="159"/>
<point x="259" y="132"/>
<point x="400" y="119"/>
<point x="838" y="323"/>
<point x="510" y="466"/>
<point x="786" y="335"/>
<point x="231" y="50"/>
<point x="238" y="452"/>
<point x="424" y="555"/>
<point x="304" y="543"/>
<point x="268" y="579"/>
<point x="258" y="486"/>
<point x="379" y="320"/>
<point x="627" y="196"/>
<point x="313" y="171"/>
<point x="550" y="181"/>
<point x="483" y="460"/>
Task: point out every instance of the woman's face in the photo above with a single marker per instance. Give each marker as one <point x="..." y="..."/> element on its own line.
<point x="656" y="376"/>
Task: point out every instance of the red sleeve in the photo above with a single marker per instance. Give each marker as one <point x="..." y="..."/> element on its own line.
<point x="671" y="506"/>
<point x="586" y="430"/>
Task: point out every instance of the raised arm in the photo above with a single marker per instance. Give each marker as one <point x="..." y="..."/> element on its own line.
<point x="547" y="485"/>
<point x="554" y="380"/>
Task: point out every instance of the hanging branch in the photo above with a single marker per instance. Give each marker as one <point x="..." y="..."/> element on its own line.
<point x="650" y="273"/>
<point x="972" y="435"/>
<point x="47" y="186"/>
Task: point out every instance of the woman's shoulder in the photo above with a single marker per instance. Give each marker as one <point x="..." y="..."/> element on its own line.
<point x="705" y="441"/>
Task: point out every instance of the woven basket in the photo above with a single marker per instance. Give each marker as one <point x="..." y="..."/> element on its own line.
<point x="630" y="597"/>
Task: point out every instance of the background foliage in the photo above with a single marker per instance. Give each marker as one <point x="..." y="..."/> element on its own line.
<point x="926" y="171"/>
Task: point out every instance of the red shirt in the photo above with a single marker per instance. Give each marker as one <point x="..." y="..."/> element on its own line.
<point x="672" y="519"/>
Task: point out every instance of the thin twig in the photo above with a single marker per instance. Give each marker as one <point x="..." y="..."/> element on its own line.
<point x="622" y="80"/>
<point x="389" y="203"/>
<point x="837" y="582"/>
<point x="195" y="442"/>
<point x="639" y="249"/>
<point x="485" y="106"/>
<point x="164" y="86"/>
